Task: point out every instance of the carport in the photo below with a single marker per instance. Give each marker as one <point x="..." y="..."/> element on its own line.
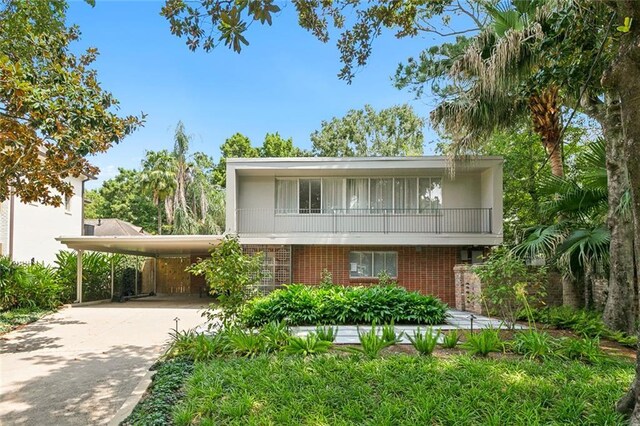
<point x="154" y="247"/>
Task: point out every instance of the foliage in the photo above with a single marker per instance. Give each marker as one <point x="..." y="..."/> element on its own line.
<point x="534" y="344"/>
<point x="450" y="339"/>
<point x="370" y="343"/>
<point x="276" y="335"/>
<point x="166" y="390"/>
<point x="425" y="342"/>
<point x="247" y="343"/>
<point x="158" y="179"/>
<point x="389" y="333"/>
<point x="122" y="198"/>
<point x="236" y="146"/>
<point x="509" y="284"/>
<point x="402" y="390"/>
<point x="32" y="286"/>
<point x="311" y="344"/>
<point x="16" y="317"/>
<point x="53" y="112"/>
<point x="394" y="131"/>
<point x="327" y="333"/>
<point x="585" y="349"/>
<point x="311" y="305"/>
<point x="326" y="278"/>
<point x="483" y="342"/>
<point x="196" y="346"/>
<point x="275" y="145"/>
<point x="96" y="274"/>
<point x="230" y="274"/>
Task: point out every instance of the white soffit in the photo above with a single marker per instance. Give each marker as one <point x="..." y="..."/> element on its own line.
<point x="148" y="245"/>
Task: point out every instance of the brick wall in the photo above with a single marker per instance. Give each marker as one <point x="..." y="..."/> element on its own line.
<point x="428" y="270"/>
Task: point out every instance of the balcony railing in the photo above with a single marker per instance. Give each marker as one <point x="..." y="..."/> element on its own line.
<point x="345" y="221"/>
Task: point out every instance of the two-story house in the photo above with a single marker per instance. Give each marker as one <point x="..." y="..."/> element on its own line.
<point x="411" y="217"/>
<point x="28" y="231"/>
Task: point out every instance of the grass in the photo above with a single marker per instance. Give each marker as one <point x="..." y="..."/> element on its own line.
<point x="401" y="390"/>
<point x="14" y="318"/>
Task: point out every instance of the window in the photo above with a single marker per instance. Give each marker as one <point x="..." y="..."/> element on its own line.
<point x="369" y="264"/>
<point x="358" y="195"/>
<point x="67" y="203"/>
<point x="430" y="193"/>
<point x="309" y="196"/>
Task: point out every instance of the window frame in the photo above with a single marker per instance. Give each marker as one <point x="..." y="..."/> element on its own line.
<point x="369" y="211"/>
<point x="372" y="253"/>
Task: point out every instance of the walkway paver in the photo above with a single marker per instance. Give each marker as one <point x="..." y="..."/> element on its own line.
<point x="79" y="365"/>
<point x="348" y="334"/>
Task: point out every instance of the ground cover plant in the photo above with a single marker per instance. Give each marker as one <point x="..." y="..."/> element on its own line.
<point x="20" y="316"/>
<point x="334" y="304"/>
<point x="401" y="390"/>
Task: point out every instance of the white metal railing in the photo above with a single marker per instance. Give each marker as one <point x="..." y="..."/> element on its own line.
<point x="342" y="221"/>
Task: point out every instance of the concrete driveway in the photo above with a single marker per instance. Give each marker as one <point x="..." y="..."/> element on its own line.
<point x="79" y="365"/>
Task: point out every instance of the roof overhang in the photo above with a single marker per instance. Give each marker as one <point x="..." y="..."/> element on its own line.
<point x="144" y="245"/>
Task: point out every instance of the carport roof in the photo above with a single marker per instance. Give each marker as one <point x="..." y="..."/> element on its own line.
<point x="144" y="245"/>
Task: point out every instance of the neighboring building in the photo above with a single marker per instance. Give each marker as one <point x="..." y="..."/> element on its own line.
<point x="111" y="227"/>
<point x="356" y="217"/>
<point x="28" y="231"/>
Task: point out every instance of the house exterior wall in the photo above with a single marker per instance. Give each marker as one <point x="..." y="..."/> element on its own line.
<point x="35" y="227"/>
<point x="428" y="270"/>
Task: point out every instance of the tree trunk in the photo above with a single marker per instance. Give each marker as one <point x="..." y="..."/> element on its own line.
<point x="159" y="219"/>
<point x="623" y="81"/>
<point x="621" y="310"/>
<point x="545" y="115"/>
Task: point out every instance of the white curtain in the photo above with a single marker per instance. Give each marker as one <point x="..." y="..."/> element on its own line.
<point x="358" y="194"/>
<point x="381" y="194"/>
<point x="430" y="193"/>
<point x="332" y="195"/>
<point x="286" y="196"/>
<point x="406" y="195"/>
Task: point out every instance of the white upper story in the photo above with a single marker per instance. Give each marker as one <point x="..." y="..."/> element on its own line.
<point x="372" y="201"/>
<point x="29" y="230"/>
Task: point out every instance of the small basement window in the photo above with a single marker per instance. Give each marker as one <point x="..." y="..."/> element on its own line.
<point x="369" y="264"/>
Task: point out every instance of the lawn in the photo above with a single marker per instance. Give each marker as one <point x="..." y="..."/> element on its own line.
<point x="400" y="389"/>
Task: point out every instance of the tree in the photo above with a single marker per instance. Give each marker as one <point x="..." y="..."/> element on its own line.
<point x="237" y="146"/>
<point x="122" y="198"/>
<point x="158" y="179"/>
<point x="394" y="131"/>
<point x="53" y="112"/>
<point x="275" y="145"/>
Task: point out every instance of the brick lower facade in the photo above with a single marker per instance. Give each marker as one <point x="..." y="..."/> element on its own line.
<point x="428" y="270"/>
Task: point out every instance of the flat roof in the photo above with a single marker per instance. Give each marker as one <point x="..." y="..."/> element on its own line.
<point x="144" y="245"/>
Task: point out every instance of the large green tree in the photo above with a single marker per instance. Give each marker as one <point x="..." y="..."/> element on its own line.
<point x="122" y="197"/>
<point x="53" y="112"/>
<point x="390" y="132"/>
<point x="236" y="146"/>
<point x="157" y="178"/>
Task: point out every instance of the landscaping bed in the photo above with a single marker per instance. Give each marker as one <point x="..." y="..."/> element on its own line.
<point x="12" y="319"/>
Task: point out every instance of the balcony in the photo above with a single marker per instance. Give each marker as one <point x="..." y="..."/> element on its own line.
<point x="365" y="221"/>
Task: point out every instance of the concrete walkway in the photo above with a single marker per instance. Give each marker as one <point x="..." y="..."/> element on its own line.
<point x="79" y="365"/>
<point x="348" y="334"/>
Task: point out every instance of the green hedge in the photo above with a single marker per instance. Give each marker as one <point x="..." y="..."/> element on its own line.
<point x="334" y="304"/>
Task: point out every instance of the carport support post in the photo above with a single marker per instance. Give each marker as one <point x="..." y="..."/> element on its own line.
<point x="112" y="273"/>
<point x="79" y="274"/>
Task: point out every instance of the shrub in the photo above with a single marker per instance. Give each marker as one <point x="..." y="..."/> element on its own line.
<point x="389" y="334"/>
<point x="311" y="344"/>
<point x="333" y="304"/>
<point x="326" y="278"/>
<point x="276" y="335"/>
<point x="509" y="285"/>
<point x="196" y="346"/>
<point x="371" y="344"/>
<point x="533" y="344"/>
<point x="587" y="350"/>
<point x="245" y="343"/>
<point x="424" y="343"/>
<point x="326" y="333"/>
<point x="231" y="274"/>
<point x="96" y="274"/>
<point x="483" y="342"/>
<point x="450" y="339"/>
<point x="32" y="286"/>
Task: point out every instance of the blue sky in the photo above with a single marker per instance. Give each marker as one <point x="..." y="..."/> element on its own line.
<point x="284" y="81"/>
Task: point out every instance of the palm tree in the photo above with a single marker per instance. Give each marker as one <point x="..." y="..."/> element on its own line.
<point x="158" y="179"/>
